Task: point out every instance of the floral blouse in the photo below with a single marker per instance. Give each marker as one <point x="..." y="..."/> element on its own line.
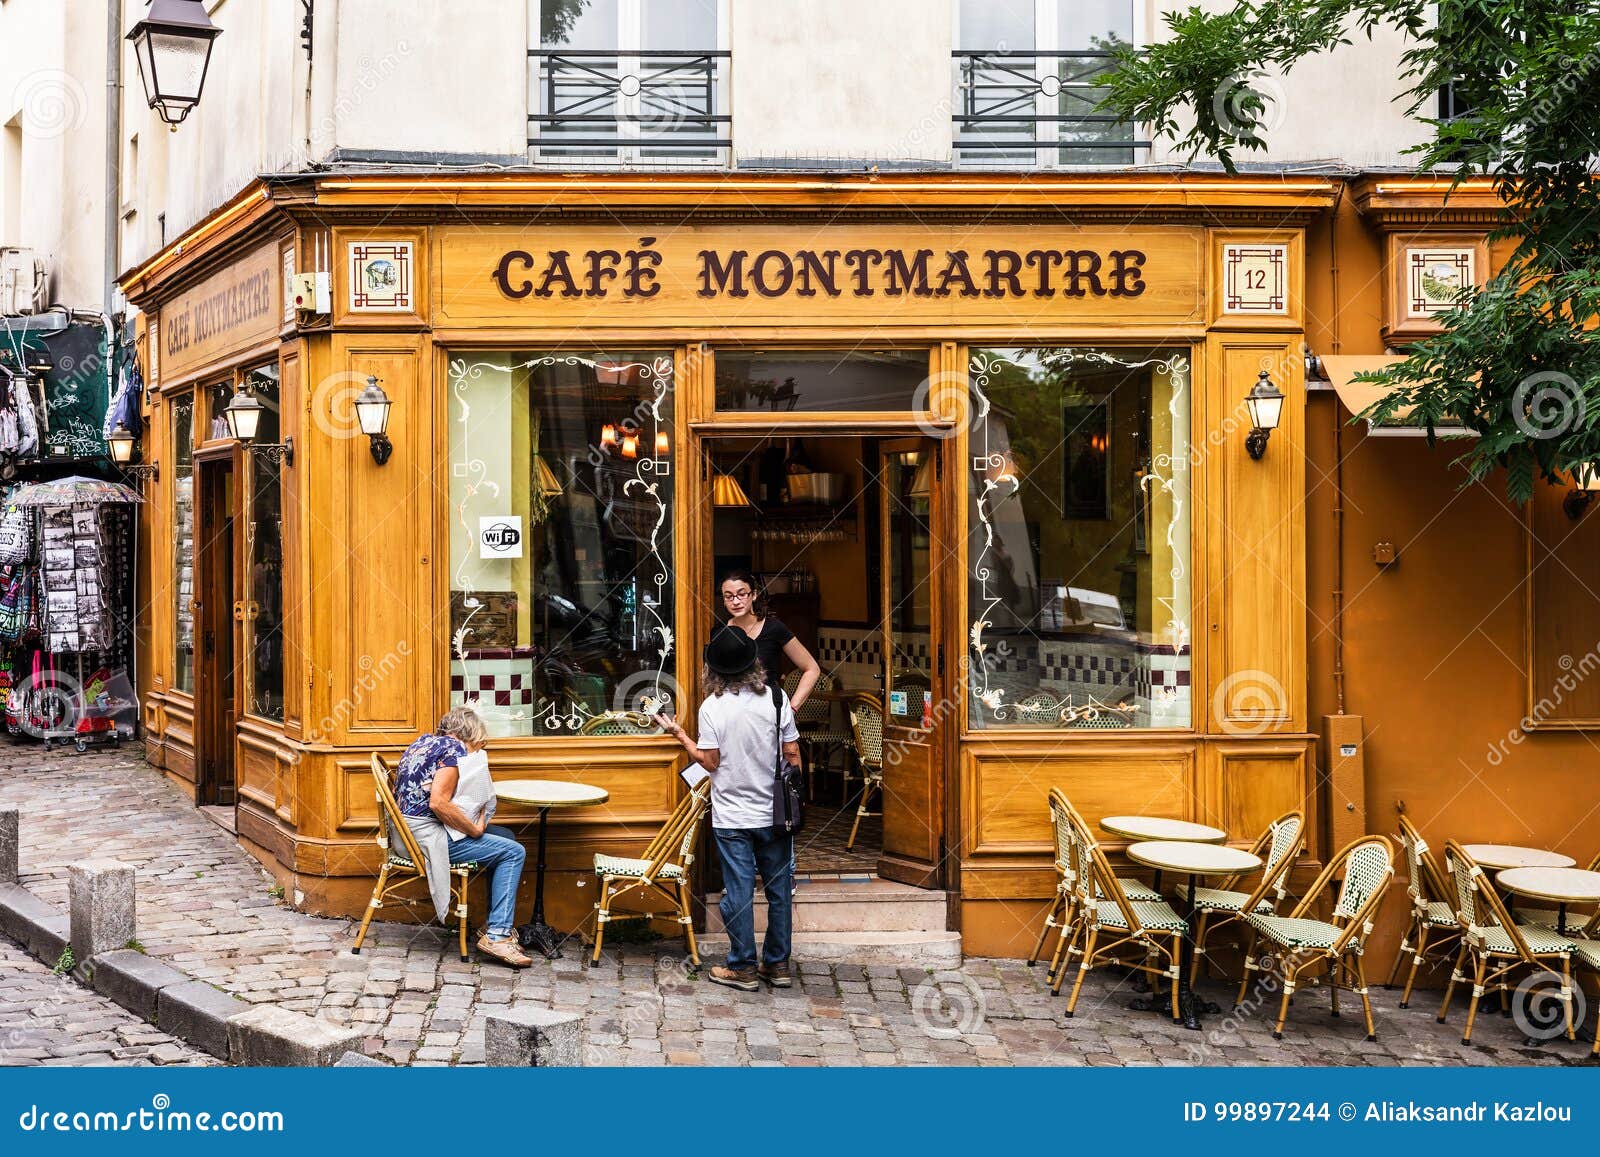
<point x="414" y="781"/>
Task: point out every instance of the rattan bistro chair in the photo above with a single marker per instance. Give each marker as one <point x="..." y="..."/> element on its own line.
<point x="866" y="725"/>
<point x="1496" y="944"/>
<point x="1145" y="935"/>
<point x="818" y="737"/>
<point x="661" y="871"/>
<point x="1064" y="910"/>
<point x="1586" y="946"/>
<point x="404" y="864"/>
<point x="1302" y="942"/>
<point x="1218" y="907"/>
<point x="1433" y="932"/>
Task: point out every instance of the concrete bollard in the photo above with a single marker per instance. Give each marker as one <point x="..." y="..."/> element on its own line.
<point x="533" y="1037"/>
<point x="10" y="842"/>
<point x="100" y="907"/>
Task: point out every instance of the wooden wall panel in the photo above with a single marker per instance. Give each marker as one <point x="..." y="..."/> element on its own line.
<point x="1563" y="614"/>
<point x="1006" y="786"/>
<point x="1257" y="783"/>
<point x="1254" y="518"/>
<point x="380" y="523"/>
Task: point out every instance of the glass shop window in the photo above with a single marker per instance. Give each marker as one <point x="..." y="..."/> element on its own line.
<point x="778" y="381"/>
<point x="1079" y="541"/>
<point x="264" y="622"/>
<point x="183" y="543"/>
<point x="561" y="590"/>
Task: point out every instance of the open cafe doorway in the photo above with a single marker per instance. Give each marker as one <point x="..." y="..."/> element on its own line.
<point x="838" y="531"/>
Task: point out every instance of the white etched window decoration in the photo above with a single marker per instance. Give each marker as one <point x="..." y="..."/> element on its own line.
<point x="1255" y="279"/>
<point x="561" y="596"/>
<point x="1079" y="548"/>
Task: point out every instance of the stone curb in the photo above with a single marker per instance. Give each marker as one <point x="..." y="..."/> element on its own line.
<point x="230" y="1029"/>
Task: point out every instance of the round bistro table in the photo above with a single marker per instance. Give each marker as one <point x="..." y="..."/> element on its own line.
<point x="1563" y="885"/>
<point x="1193" y="860"/>
<point x="1160" y="828"/>
<point x="1499" y="856"/>
<point x="545" y="794"/>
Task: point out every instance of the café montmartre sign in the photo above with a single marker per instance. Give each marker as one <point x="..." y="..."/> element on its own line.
<point x="636" y="272"/>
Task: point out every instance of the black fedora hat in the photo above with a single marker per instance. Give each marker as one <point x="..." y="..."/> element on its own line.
<point x="731" y="651"/>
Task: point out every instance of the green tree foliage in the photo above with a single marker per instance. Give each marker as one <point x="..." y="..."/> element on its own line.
<point x="1519" y="361"/>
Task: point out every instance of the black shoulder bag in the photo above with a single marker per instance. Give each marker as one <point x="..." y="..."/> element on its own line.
<point x="788" y="781"/>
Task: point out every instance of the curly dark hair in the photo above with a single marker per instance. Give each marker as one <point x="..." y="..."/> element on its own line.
<point x="753" y="679"/>
<point x="758" y="603"/>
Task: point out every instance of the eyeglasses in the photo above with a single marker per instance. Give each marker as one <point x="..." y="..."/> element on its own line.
<point x="735" y="596"/>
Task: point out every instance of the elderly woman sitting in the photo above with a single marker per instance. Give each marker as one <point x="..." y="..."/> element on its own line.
<point x="442" y="788"/>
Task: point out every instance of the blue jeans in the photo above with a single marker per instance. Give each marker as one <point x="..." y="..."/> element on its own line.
<point x="497" y="851"/>
<point x="743" y="851"/>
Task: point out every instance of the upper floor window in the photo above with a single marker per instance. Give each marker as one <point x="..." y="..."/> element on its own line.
<point x="628" y="82"/>
<point x="1028" y="82"/>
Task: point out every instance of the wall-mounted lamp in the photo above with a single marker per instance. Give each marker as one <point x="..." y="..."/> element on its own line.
<point x="1265" y="403"/>
<point x="663" y="446"/>
<point x="372" y="414"/>
<point x="173" y="47"/>
<point x="726" y="491"/>
<point x="630" y="445"/>
<point x="243" y="415"/>
<point x="1585" y="484"/>
<point x="608" y="436"/>
<point x="122" y="443"/>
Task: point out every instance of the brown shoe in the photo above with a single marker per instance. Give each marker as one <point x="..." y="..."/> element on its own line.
<point x="744" y="979"/>
<point x="505" y="951"/>
<point x="776" y="975"/>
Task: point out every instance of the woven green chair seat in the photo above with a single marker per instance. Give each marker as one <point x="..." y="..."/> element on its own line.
<point x="1541" y="941"/>
<point x="403" y="862"/>
<point x="1222" y="900"/>
<point x="1588" y="951"/>
<point x="838" y="737"/>
<point x="624" y="866"/>
<point x="1156" y="915"/>
<point x="1440" y="915"/>
<point x="1292" y="932"/>
<point x="1138" y="891"/>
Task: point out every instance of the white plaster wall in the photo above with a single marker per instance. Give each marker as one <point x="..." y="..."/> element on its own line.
<point x="1342" y="106"/>
<point x="432" y="78"/>
<point x="841" y="79"/>
<point x="52" y="86"/>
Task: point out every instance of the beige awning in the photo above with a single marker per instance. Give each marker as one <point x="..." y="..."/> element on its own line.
<point x="1358" y="396"/>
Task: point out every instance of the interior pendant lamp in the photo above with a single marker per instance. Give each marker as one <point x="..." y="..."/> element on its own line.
<point x="172" y="45"/>
<point x="726" y="491"/>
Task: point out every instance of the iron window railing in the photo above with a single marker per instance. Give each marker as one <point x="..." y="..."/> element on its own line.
<point x="1038" y="108"/>
<point x="609" y="107"/>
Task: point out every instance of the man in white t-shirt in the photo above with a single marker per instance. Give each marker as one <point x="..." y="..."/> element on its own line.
<point x="739" y="731"/>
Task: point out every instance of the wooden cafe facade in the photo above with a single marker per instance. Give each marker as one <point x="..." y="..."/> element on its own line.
<point x="986" y="439"/>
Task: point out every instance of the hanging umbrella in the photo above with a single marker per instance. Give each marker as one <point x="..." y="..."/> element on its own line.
<point x="74" y="491"/>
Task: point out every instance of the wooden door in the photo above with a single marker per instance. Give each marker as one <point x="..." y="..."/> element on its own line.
<point x="915" y="565"/>
<point x="215" y="651"/>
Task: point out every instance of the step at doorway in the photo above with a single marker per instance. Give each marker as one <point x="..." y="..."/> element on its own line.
<point x="859" y="920"/>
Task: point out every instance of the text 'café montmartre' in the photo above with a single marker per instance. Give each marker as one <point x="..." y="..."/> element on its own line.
<point x="833" y="272"/>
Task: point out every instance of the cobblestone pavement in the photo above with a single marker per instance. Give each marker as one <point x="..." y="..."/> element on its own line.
<point x="207" y="907"/>
<point x="47" y="1019"/>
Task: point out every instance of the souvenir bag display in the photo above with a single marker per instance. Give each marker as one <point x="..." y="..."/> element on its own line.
<point x="16" y="535"/>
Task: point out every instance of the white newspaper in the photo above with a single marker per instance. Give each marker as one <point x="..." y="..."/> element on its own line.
<point x="474" y="789"/>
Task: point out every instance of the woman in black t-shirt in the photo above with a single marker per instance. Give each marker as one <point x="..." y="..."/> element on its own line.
<point x="746" y="604"/>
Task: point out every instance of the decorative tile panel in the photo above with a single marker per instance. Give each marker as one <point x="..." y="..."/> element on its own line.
<point x="1255" y="279"/>
<point x="381" y="277"/>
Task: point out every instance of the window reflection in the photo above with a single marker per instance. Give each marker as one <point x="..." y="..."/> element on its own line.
<point x="560" y="540"/>
<point x="183" y="543"/>
<point x="265" y="637"/>
<point x="1079" y="549"/>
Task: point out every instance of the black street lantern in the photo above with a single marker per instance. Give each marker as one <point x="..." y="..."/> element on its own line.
<point x="1265" y="403"/>
<point x="372" y="414"/>
<point x="173" y="47"/>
